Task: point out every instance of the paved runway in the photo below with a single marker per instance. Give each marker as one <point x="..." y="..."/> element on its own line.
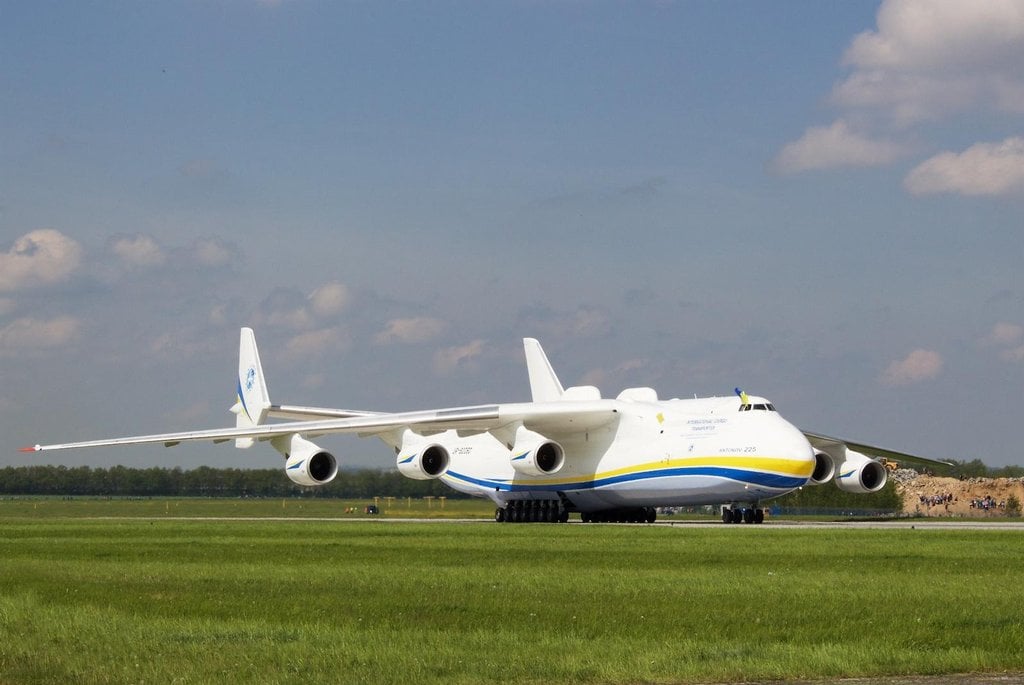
<point x="902" y="524"/>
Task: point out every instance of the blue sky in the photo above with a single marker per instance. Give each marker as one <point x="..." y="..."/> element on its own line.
<point x="822" y="203"/>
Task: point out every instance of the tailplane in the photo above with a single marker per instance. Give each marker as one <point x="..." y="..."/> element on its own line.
<point x="253" y="397"/>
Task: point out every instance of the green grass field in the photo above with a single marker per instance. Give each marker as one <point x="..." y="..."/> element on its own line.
<point x="130" y="601"/>
<point x="97" y="507"/>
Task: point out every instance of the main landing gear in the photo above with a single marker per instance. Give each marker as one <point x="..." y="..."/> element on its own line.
<point x="532" y="511"/>
<point x="742" y="515"/>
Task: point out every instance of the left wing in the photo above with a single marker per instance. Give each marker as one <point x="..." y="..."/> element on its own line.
<point x="552" y="418"/>
<point x="831" y="445"/>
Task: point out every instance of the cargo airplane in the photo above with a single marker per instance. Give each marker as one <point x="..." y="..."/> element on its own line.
<point x="568" y="450"/>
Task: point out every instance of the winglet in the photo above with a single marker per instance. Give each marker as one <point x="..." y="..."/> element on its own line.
<point x="544" y="384"/>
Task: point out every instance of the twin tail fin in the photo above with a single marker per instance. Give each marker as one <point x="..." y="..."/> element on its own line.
<point x="253" y="401"/>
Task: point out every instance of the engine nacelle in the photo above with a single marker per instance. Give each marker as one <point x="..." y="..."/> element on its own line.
<point x="420" y="459"/>
<point x="861" y="474"/>
<point x="305" y="462"/>
<point x="535" y="455"/>
<point x="824" y="468"/>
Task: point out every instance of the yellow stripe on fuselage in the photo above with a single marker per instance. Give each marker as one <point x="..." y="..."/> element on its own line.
<point x="799" y="468"/>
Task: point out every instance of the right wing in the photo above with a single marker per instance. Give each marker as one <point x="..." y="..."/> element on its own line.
<point x="554" y="419"/>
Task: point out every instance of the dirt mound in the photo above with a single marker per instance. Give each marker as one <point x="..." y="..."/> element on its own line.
<point x="974" y="497"/>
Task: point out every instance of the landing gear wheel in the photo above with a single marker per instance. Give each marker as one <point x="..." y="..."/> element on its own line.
<point x="759" y="516"/>
<point x="748" y="516"/>
<point x="499" y="515"/>
<point x="726" y="515"/>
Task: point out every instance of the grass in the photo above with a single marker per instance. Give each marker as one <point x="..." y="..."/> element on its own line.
<point x="169" y="507"/>
<point x="125" y="601"/>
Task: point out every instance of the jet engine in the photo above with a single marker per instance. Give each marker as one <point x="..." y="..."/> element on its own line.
<point x="420" y="459"/>
<point x="824" y="468"/>
<point x="535" y="455"/>
<point x="305" y="462"/>
<point x="861" y="474"/>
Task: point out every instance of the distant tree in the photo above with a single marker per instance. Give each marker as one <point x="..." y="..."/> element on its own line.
<point x="828" y="496"/>
<point x="1012" y="506"/>
<point x="204" y="481"/>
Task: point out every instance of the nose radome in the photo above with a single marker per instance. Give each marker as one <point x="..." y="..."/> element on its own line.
<point x="794" y="444"/>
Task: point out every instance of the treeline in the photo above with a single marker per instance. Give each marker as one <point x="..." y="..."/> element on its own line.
<point x="828" y="496"/>
<point x="121" y="481"/>
<point x="977" y="469"/>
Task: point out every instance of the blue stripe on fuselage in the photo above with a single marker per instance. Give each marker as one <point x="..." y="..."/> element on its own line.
<point x="770" y="480"/>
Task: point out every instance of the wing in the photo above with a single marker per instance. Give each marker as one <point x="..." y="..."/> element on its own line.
<point x="828" y="444"/>
<point x="553" y="419"/>
<point x="297" y="413"/>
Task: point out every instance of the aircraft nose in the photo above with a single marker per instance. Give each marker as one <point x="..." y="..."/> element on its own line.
<point x="794" y="445"/>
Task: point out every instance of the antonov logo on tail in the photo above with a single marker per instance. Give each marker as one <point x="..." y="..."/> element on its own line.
<point x="569" y="450"/>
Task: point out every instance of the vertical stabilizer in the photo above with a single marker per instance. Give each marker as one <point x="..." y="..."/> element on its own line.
<point x="544" y="384"/>
<point x="253" y="397"/>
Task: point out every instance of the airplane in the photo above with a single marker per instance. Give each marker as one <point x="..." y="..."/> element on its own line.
<point x="567" y="451"/>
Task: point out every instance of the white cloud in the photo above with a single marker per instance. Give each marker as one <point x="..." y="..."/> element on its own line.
<point x="926" y="60"/>
<point x="827" y="147"/>
<point x="412" y="330"/>
<point x="38" y="258"/>
<point x="932" y="34"/>
<point x="919" y="365"/>
<point x="290" y="309"/>
<point x="982" y="169"/>
<point x="316" y="343"/>
<point x="1004" y="334"/>
<point x="329" y="299"/>
<point x="28" y="334"/>
<point x="139" y="251"/>
<point x="930" y="57"/>
<point x="447" y="360"/>
<point x="210" y="252"/>
<point x="297" y="318"/>
<point x="1007" y="336"/>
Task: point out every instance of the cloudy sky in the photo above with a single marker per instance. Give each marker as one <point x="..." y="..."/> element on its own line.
<point x="822" y="203"/>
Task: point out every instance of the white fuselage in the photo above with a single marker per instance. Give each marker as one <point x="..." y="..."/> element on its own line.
<point x="662" y="453"/>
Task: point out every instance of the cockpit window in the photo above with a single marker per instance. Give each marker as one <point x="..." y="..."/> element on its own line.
<point x="757" y="407"/>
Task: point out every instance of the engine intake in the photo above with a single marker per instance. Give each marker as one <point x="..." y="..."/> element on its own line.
<point x="535" y="455"/>
<point x="305" y="462"/>
<point x="421" y="459"/>
<point x="824" y="468"/>
<point x="861" y="474"/>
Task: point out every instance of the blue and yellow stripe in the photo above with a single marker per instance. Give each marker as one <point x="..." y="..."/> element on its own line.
<point x="782" y="474"/>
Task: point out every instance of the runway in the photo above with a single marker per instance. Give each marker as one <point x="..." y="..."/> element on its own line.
<point x="906" y="524"/>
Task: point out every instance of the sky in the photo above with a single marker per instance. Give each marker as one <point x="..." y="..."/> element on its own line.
<point x="821" y="203"/>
